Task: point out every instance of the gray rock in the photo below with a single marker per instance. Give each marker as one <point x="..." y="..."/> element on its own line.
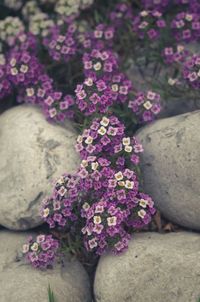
<point x="33" y="152"/>
<point x="20" y="282"/>
<point x="155" y="268"/>
<point x="171" y="167"/>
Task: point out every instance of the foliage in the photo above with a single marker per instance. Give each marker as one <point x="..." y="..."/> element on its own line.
<point x="71" y="58"/>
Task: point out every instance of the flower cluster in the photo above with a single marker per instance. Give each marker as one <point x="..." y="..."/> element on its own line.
<point x="58" y="107"/>
<point x="159" y="5"/>
<point x="61" y="41"/>
<point x="103" y="85"/>
<point x="40" y="24"/>
<point x="23" y="68"/>
<point x="191" y="71"/>
<point x="121" y="13"/>
<point x="100" y="38"/>
<point x="146" y="105"/>
<point x="149" y="24"/>
<point x="25" y="42"/>
<point x="41" y="251"/>
<point x="13" y="4"/>
<point x="104" y="228"/>
<point x="30" y="9"/>
<point x="100" y="64"/>
<point x="70" y="7"/>
<point x="108" y="170"/>
<point x="5" y="85"/>
<point x="102" y="201"/>
<point x="9" y="28"/>
<point x="60" y="209"/>
<point x="176" y="54"/>
<point x="36" y="92"/>
<point x="107" y="221"/>
<point x="186" y="26"/>
<point x="106" y="136"/>
<point x="93" y="96"/>
<point x="101" y="137"/>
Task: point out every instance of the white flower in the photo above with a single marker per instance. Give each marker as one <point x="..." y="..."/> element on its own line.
<point x="86" y="206"/>
<point x="112" y="220"/>
<point x="171" y="81"/>
<point x="119" y="176"/>
<point x="24" y="68"/>
<point x="30" y="91"/>
<point x="13" y="62"/>
<point x="189" y="17"/>
<point x="147" y="105"/>
<point x="84" y="163"/>
<point x="95" y="165"/>
<point x="126" y="141"/>
<point x="97" y="219"/>
<point x="34" y="247"/>
<point x="97" y="66"/>
<point x="128" y="149"/>
<point x="105" y="121"/>
<point x="14" y="71"/>
<point x="129" y="184"/>
<point x="141" y="213"/>
<point x="144" y="13"/>
<point x="143" y="203"/>
<point x="89" y="140"/>
<point x="115" y="87"/>
<point x="121" y="183"/>
<point x="45" y="212"/>
<point x="25" y="248"/>
<point x="79" y="139"/>
<point x="102" y="130"/>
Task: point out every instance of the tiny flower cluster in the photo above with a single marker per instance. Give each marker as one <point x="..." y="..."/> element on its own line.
<point x="176" y="54"/>
<point x="191" y="71"/>
<point x="41" y="251"/>
<point x="149" y="24"/>
<point x="5" y="85"/>
<point x="13" y="4"/>
<point x="61" y="41"/>
<point x="30" y="9"/>
<point x="98" y="64"/>
<point x="23" y="68"/>
<point x="60" y="209"/>
<point x="58" y="107"/>
<point x="116" y="202"/>
<point x="9" y="28"/>
<point x="156" y="4"/>
<point x="101" y="137"/>
<point x="93" y="96"/>
<point x="107" y="222"/>
<point x="146" y="105"/>
<point x="71" y="7"/>
<point x="40" y="24"/>
<point x="106" y="136"/>
<point x="100" y="38"/>
<point x="186" y="26"/>
<point x="104" y="228"/>
<point x="122" y="12"/>
<point x="36" y="92"/>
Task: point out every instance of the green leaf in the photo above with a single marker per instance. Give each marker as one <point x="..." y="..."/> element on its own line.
<point x="51" y="296"/>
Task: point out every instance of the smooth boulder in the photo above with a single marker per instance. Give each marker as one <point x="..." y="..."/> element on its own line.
<point x="155" y="268"/>
<point x="20" y="282"/>
<point x="171" y="167"/>
<point x="33" y="153"/>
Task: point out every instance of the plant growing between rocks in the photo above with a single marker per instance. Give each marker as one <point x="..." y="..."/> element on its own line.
<point x="72" y="61"/>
